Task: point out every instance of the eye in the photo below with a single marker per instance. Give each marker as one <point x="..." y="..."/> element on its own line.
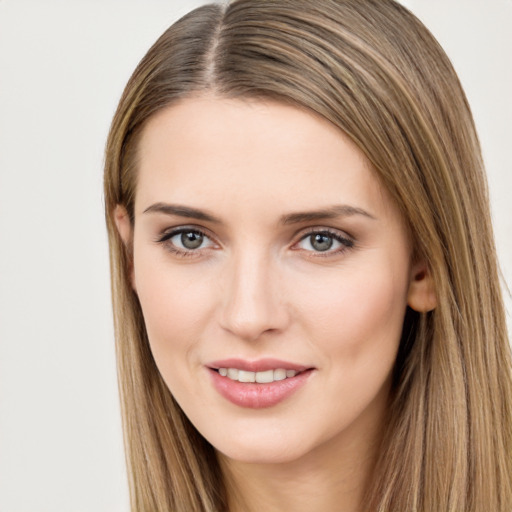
<point x="188" y="240"/>
<point x="185" y="240"/>
<point x="324" y="242"/>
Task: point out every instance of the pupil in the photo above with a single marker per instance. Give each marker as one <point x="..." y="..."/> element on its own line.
<point x="321" y="242"/>
<point x="191" y="240"/>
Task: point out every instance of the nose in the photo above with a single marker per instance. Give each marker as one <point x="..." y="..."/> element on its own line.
<point x="253" y="301"/>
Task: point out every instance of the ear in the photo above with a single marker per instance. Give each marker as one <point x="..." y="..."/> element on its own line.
<point x="422" y="294"/>
<point x="125" y="230"/>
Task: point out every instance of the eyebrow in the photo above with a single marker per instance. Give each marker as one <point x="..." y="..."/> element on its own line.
<point x="291" y="218"/>
<point x="325" y="214"/>
<point x="182" y="211"/>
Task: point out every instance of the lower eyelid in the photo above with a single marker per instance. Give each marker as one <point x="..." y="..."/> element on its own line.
<point x="166" y="236"/>
<point x="165" y="240"/>
<point x="345" y="240"/>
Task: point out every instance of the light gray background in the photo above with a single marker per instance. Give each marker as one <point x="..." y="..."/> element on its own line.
<point x="63" y="64"/>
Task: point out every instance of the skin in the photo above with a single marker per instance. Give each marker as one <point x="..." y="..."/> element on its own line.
<point x="257" y="287"/>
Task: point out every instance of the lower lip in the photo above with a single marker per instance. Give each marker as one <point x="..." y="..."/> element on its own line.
<point x="258" y="396"/>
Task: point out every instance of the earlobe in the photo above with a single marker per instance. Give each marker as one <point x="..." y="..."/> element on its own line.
<point x="125" y="230"/>
<point x="422" y="294"/>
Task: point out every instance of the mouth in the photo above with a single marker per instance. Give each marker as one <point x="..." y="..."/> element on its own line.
<point x="260" y="384"/>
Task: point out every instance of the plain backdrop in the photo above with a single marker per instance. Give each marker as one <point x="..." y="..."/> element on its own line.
<point x="63" y="65"/>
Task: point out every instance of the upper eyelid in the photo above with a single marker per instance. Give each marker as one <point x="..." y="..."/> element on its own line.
<point x="302" y="233"/>
<point x="344" y="239"/>
<point x="170" y="232"/>
<point x="165" y="236"/>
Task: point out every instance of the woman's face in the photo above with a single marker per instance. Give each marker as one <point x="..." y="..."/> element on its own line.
<point x="265" y="249"/>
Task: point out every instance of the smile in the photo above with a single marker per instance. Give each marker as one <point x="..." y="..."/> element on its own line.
<point x="264" y="377"/>
<point x="258" y="384"/>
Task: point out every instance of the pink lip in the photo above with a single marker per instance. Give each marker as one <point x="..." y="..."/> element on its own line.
<point x="254" y="395"/>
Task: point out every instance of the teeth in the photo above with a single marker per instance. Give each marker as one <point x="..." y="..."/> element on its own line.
<point x="244" y="376"/>
<point x="265" y="377"/>
<point x="279" y="374"/>
<point x="233" y="373"/>
<point x="260" y="377"/>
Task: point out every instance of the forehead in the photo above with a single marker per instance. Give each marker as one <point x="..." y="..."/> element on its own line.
<point x="206" y="150"/>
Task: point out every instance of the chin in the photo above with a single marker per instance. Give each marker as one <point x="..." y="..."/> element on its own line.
<point x="270" y="448"/>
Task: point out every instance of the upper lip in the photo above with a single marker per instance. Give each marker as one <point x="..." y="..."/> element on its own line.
<point x="259" y="365"/>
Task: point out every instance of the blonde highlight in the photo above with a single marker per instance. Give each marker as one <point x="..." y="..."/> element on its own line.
<point x="373" y="70"/>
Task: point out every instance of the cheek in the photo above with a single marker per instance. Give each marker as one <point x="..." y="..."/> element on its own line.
<point x="175" y="308"/>
<point x="357" y="315"/>
<point x="354" y="324"/>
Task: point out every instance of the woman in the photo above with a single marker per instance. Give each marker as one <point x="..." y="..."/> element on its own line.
<point x="305" y="286"/>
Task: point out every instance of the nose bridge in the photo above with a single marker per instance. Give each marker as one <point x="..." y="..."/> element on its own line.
<point x="251" y="302"/>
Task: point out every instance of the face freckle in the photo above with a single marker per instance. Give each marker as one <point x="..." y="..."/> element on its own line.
<point x="264" y="241"/>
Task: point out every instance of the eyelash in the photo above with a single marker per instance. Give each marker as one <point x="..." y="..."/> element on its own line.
<point x="165" y="240"/>
<point x="346" y="243"/>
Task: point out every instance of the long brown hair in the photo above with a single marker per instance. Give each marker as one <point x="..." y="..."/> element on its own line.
<point x="373" y="70"/>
